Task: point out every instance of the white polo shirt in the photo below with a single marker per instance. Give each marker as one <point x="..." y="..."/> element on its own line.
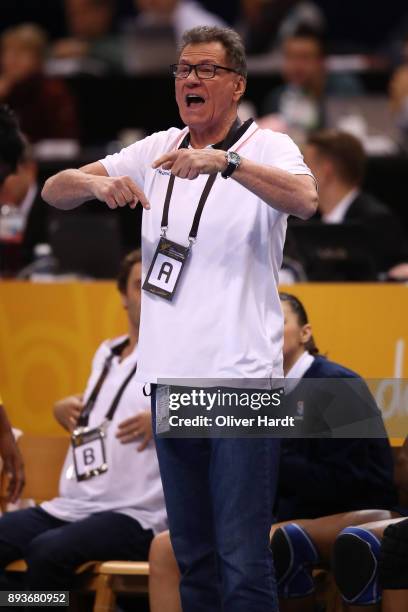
<point x="132" y="484"/>
<point x="225" y="320"/>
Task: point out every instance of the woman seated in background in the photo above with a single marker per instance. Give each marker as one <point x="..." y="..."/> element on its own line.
<point x="325" y="476"/>
<point x="317" y="476"/>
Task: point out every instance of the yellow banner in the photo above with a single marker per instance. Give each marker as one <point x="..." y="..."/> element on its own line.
<point x="49" y="334"/>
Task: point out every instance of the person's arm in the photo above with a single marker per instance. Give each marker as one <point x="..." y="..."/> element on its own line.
<point x="71" y="188"/>
<point x="67" y="411"/>
<point x="295" y="194"/>
<point x="13" y="461"/>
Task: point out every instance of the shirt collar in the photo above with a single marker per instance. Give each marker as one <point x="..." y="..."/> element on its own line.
<point x="111" y="349"/>
<point x="300" y="366"/>
<point x="337" y="214"/>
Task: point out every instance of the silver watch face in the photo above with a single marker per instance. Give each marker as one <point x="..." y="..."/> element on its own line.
<point x="234" y="158"/>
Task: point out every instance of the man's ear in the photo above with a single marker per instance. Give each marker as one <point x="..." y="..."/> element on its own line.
<point x="240" y="86"/>
<point x="328" y="168"/>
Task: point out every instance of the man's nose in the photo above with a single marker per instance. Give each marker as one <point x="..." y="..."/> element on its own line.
<point x="192" y="77"/>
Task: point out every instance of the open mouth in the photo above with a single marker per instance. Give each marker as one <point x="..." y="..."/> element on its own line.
<point x="194" y="100"/>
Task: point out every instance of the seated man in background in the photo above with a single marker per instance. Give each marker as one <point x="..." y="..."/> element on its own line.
<point x="110" y="502"/>
<point x="299" y="102"/>
<point x="337" y="160"/>
<point x="316" y="476"/>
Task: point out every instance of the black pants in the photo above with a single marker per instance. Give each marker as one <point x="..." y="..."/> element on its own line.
<point x="53" y="549"/>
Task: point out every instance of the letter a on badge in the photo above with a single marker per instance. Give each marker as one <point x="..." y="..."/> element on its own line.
<point x="165" y="270"/>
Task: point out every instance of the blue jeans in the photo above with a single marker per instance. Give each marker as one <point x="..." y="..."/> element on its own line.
<point x="53" y="549"/>
<point x="219" y="497"/>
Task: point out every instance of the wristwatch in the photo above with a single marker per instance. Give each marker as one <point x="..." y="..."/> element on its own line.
<point x="233" y="160"/>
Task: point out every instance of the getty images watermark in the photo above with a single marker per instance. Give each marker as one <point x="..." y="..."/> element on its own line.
<point x="220" y="411"/>
<point x="221" y="398"/>
<point x="281" y="408"/>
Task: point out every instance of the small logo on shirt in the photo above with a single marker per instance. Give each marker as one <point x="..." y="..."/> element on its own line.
<point x="300" y="410"/>
<point x="165" y="172"/>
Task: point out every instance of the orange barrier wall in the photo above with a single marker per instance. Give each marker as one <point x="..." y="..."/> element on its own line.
<point x="49" y="333"/>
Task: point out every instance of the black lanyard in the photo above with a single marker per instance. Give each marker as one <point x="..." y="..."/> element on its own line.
<point x="234" y="134"/>
<point x="84" y="416"/>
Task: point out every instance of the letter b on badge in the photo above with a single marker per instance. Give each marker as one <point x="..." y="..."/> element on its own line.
<point x="88" y="456"/>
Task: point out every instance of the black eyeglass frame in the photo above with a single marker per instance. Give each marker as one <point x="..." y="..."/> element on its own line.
<point x="194" y="67"/>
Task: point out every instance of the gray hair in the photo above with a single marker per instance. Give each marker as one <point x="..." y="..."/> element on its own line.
<point x="230" y="40"/>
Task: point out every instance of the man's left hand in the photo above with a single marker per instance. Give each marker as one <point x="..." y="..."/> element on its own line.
<point x="189" y="163"/>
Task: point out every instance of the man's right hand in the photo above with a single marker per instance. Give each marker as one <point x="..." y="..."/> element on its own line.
<point x="67" y="411"/>
<point x="118" y="191"/>
<point x="71" y="188"/>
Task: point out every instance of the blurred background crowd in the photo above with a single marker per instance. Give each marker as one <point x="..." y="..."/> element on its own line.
<point x="86" y="77"/>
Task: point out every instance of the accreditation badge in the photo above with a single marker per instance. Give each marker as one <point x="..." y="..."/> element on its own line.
<point x="88" y="447"/>
<point x="162" y="409"/>
<point x="166" y="269"/>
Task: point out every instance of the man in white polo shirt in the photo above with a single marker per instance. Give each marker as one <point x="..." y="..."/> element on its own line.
<point x="216" y="196"/>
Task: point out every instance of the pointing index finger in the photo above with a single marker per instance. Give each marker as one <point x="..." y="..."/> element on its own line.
<point x="164" y="158"/>
<point x="139" y="196"/>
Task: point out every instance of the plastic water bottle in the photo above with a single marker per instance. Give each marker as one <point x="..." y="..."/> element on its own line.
<point x="44" y="268"/>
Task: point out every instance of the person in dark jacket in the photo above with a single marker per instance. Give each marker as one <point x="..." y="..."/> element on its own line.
<point x="337" y="160"/>
<point x="325" y="476"/>
<point x="325" y="485"/>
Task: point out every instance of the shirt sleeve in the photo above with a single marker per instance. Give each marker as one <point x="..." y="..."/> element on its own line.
<point x="281" y="152"/>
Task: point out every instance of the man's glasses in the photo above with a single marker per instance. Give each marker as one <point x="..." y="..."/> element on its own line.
<point x="203" y="71"/>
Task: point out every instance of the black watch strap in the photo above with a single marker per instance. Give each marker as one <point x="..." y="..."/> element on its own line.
<point x="228" y="170"/>
<point x="231" y="167"/>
